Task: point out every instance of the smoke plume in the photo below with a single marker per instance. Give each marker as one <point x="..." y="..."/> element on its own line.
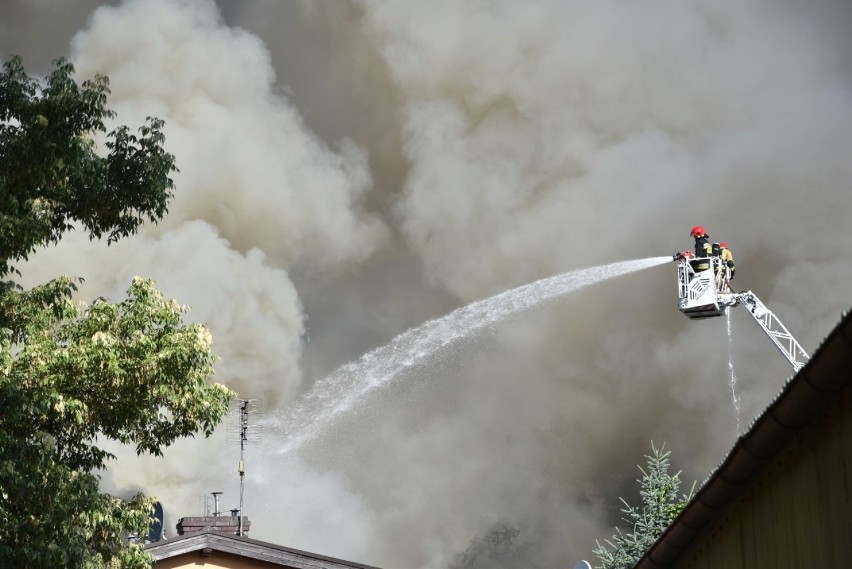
<point x="351" y="169"/>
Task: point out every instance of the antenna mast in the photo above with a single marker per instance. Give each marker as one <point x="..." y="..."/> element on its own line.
<point x="244" y="433"/>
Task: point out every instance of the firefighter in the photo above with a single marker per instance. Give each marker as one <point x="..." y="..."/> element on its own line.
<point x="727" y="257"/>
<point x="703" y="249"/>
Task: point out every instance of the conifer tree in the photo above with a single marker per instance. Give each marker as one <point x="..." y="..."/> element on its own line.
<point x="660" y="506"/>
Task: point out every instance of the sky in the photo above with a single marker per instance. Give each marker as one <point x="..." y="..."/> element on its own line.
<point x="352" y="169"/>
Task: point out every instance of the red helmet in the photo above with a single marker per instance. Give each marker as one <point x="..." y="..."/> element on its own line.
<point x="723" y="245"/>
<point x="697" y="231"/>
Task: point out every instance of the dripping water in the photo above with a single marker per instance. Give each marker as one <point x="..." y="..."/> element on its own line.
<point x="734" y="397"/>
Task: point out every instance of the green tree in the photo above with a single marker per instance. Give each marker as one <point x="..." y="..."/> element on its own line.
<point x="51" y="174"/>
<point x="660" y="506"/>
<point x="71" y="376"/>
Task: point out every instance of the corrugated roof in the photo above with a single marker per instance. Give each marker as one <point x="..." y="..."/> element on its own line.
<point x="804" y="397"/>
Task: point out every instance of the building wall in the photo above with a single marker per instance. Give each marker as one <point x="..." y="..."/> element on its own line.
<point x="216" y="560"/>
<point x="796" y="513"/>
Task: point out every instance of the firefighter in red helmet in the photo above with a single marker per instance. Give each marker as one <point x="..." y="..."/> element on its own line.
<point x="703" y="248"/>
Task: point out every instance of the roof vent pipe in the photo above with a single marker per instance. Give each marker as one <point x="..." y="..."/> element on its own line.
<point x="216" y="503"/>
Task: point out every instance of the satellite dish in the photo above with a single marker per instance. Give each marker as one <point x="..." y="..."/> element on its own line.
<point x="582" y="565"/>
<point x="155" y="532"/>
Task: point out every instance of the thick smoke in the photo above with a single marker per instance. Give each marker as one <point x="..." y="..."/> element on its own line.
<point x="350" y="169"/>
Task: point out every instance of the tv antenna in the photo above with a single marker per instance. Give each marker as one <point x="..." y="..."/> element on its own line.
<point x="243" y="432"/>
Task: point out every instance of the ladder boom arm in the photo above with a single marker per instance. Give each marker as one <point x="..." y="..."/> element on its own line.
<point x="777" y="332"/>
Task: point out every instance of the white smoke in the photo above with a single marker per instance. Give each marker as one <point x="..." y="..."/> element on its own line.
<point x="350" y="169"/>
<point x="248" y="163"/>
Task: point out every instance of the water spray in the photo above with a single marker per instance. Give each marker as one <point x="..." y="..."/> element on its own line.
<point x="348" y="385"/>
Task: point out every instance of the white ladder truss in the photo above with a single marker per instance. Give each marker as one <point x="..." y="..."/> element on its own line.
<point x="775" y="329"/>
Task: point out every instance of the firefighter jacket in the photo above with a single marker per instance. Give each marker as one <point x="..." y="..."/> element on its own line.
<point x="703" y="248"/>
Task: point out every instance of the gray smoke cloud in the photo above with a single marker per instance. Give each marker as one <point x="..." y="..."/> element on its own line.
<point x="351" y="169"/>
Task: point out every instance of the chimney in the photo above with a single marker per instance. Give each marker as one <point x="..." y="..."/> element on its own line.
<point x="216" y="522"/>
